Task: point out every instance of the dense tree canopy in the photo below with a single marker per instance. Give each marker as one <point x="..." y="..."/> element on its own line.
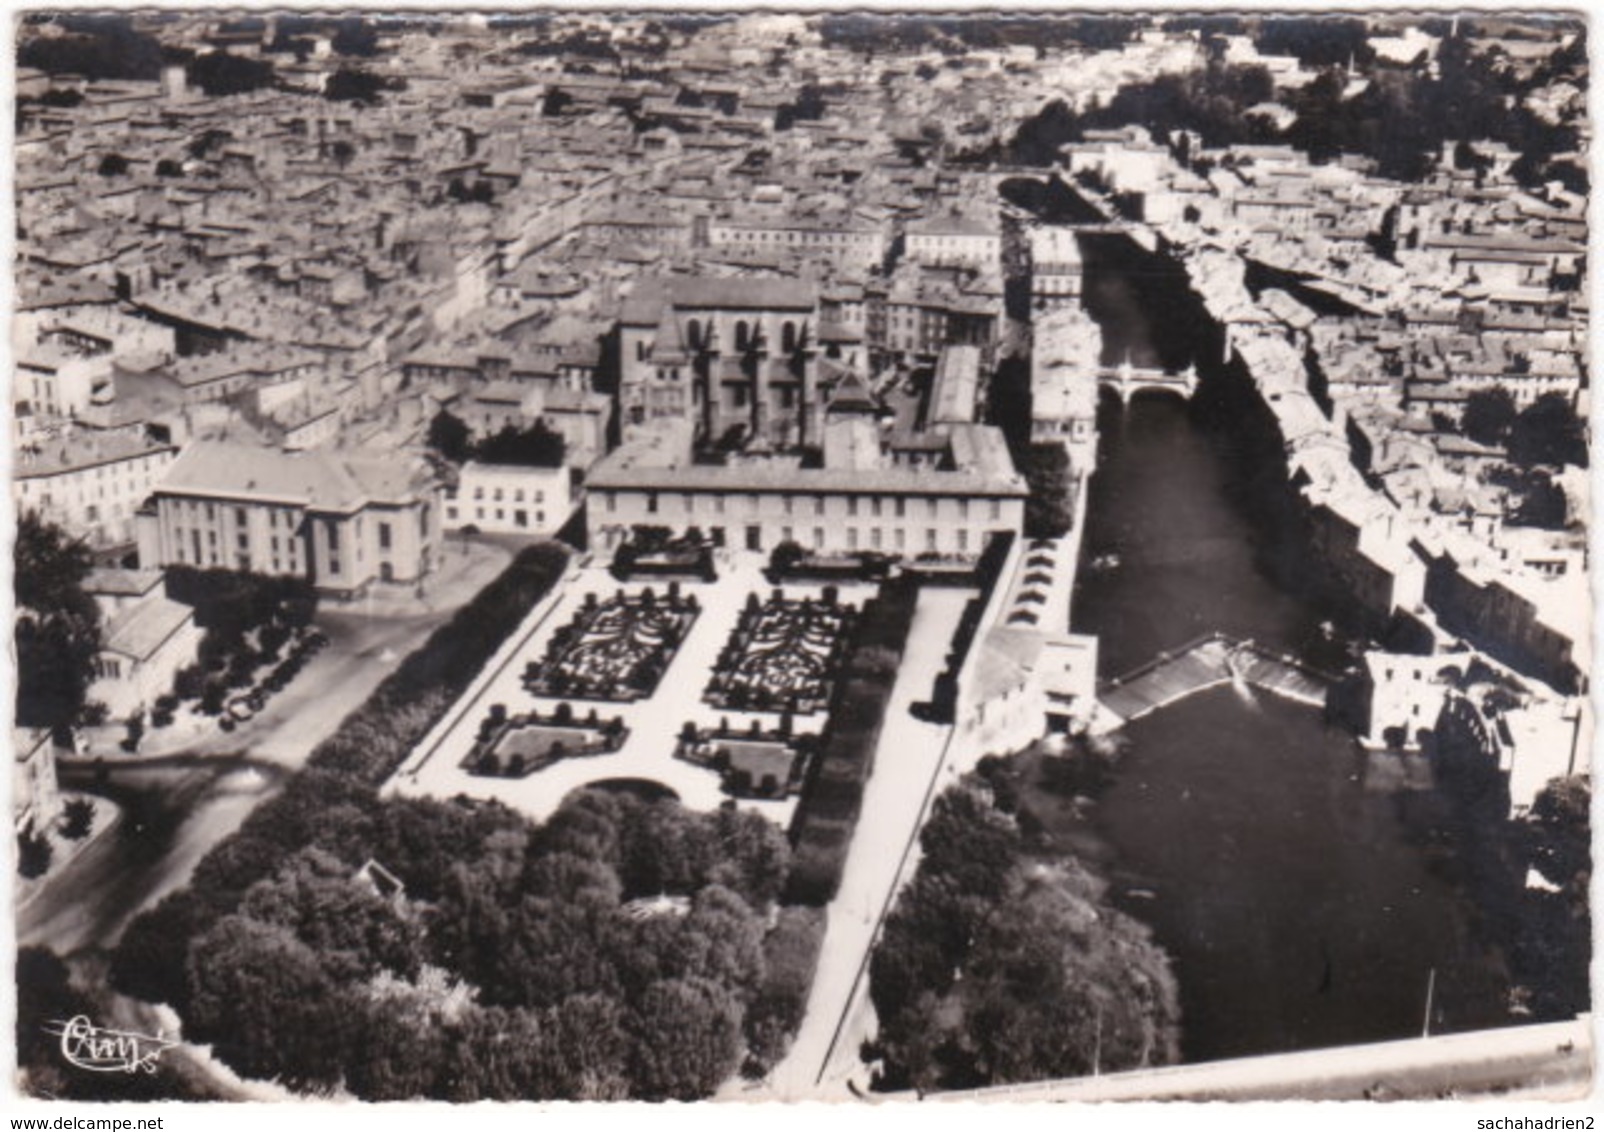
<point x="57" y="625"/>
<point x="219" y="73"/>
<point x="996" y="967"/>
<point x="1488" y="415"/>
<point x="1548" y="431"/>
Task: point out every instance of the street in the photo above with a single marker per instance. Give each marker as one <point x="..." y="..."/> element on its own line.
<point x="178" y="804"/>
<point x="907" y="760"/>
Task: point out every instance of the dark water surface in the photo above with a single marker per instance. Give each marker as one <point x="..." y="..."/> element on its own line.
<point x="1304" y="904"/>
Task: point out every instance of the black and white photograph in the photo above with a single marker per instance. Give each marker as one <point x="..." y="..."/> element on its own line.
<point x="877" y="556"/>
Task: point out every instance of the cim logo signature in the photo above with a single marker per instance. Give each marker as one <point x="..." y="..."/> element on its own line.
<point x="99" y="1050"/>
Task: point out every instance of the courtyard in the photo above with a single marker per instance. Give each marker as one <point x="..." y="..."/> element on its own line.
<point x="609" y="626"/>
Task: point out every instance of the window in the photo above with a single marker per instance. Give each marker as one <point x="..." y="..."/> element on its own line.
<point x="743" y="335"/>
<point x="818" y="538"/>
<point x="651" y="503"/>
<point x="718" y="505"/>
<point x="690" y="503"/>
<point x="384" y="536"/>
<point x="497" y="497"/>
<point x="996" y="510"/>
<point x="693" y="334"/>
<point x="518" y="495"/>
<point x="963" y="508"/>
<point x="242" y="540"/>
<point x="788" y="337"/>
<point x="930" y="538"/>
<point x="334" y="565"/>
<point x="818" y="504"/>
<point x="239" y="515"/>
<point x="874" y="507"/>
<point x="963" y="539"/>
<point x="900" y="538"/>
<point x="902" y="508"/>
<point x="930" y="508"/>
<point x="874" y="538"/>
<point x="334" y="538"/>
<point x="852" y="538"/>
<point x="852" y="506"/>
<point x="612" y="500"/>
<point x="478" y="493"/>
<point x="787" y="534"/>
<point x="789" y="504"/>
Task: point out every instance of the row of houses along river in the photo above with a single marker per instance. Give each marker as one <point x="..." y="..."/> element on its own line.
<point x="1307" y="897"/>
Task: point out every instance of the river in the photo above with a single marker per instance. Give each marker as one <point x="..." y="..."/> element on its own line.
<point x="1306" y="901"/>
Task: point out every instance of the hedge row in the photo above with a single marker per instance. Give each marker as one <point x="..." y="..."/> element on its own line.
<point x="821" y="832"/>
<point x="374" y="739"/>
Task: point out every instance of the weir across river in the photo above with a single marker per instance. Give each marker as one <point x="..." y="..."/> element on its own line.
<point x="1210" y="661"/>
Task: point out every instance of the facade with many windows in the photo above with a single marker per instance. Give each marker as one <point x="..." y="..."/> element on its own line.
<point x="945" y="508"/>
<point x="91" y="487"/>
<point x="509" y="499"/>
<point x="340" y="520"/>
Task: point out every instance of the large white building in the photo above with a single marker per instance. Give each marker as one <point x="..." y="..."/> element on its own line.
<point x="341" y="520"/>
<point x="90" y="486"/>
<point x="938" y="494"/>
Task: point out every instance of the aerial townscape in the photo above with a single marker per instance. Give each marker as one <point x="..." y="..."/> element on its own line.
<point x="711" y="555"/>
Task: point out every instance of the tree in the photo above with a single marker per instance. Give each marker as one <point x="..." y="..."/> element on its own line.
<point x="1038" y="139"/>
<point x="1049" y="509"/>
<point x="1560" y="831"/>
<point x="1489" y="413"/>
<point x="355" y="36"/>
<point x="350" y="84"/>
<point x="150" y="959"/>
<point x="57" y="625"/>
<point x="33" y="854"/>
<point x="262" y="999"/>
<point x="790" y="955"/>
<point x="113" y="165"/>
<point x="78" y="817"/>
<point x="45" y="995"/>
<point x="355" y="932"/>
<point x="994" y="968"/>
<point x="167" y="167"/>
<point x="449" y="435"/>
<point x="219" y="73"/>
<point x="1548" y="431"/>
<point x="686" y="1040"/>
<point x="535" y="447"/>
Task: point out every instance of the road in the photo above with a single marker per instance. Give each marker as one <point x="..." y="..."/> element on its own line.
<point x="908" y="760"/>
<point x="179" y="804"/>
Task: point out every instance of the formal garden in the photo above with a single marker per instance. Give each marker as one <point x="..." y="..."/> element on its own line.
<point x="516" y="746"/>
<point x="783" y="654"/>
<point x="754" y="763"/>
<point x="616" y="649"/>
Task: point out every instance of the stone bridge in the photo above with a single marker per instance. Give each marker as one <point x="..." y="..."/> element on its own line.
<point x="1127" y="380"/>
<point x="1209" y="662"/>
